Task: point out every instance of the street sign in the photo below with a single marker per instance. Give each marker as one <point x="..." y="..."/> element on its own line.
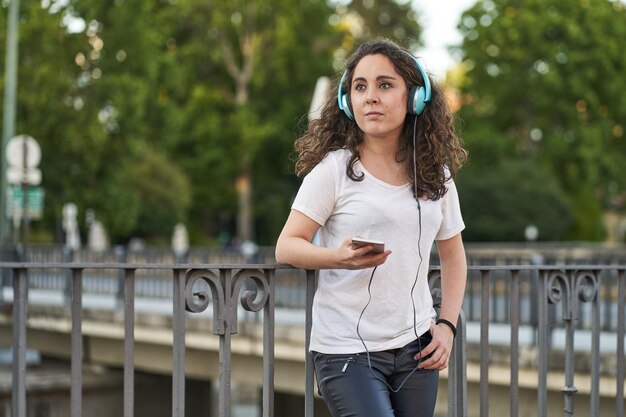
<point x="23" y="155"/>
<point x="19" y="176"/>
<point x="23" y="152"/>
<point x="15" y="202"/>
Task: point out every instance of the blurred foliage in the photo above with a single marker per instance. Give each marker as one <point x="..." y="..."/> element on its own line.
<point x="149" y="112"/>
<point x="501" y="200"/>
<point x="154" y="177"/>
<point x="366" y="19"/>
<point x="541" y="86"/>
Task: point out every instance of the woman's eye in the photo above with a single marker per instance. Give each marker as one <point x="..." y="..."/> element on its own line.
<point x="359" y="87"/>
<point x="385" y="85"/>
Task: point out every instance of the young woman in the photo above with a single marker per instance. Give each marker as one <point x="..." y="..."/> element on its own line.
<point x="379" y="164"/>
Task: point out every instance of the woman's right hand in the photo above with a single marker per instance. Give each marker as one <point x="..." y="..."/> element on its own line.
<point x="294" y="248"/>
<point x="360" y="258"/>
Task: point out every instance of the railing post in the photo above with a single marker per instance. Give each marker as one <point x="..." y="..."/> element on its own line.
<point x="621" y="324"/>
<point x="514" y="315"/>
<point x="269" y="326"/>
<point x="484" y="343"/>
<point x="542" y="335"/>
<point x="178" y="348"/>
<point x="457" y="372"/>
<point x="309" y="371"/>
<point x="224" y="396"/>
<point x="129" y="342"/>
<point x="569" y="317"/>
<point x="534" y="304"/>
<point x="20" y="302"/>
<point x="77" y="342"/>
<point x="595" y="354"/>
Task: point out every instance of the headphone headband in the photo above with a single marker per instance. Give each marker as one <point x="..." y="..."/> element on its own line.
<point x="427" y="91"/>
<point x="417" y="97"/>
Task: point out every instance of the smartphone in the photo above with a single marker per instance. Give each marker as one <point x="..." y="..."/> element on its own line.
<point x="358" y="242"/>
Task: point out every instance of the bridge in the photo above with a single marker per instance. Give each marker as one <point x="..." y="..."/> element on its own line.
<point x="540" y="340"/>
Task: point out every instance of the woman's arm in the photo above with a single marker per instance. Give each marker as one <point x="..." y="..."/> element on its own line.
<point x="294" y="247"/>
<point x="453" y="278"/>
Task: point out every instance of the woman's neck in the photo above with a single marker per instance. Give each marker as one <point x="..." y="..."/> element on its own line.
<point x="379" y="149"/>
<point x="379" y="159"/>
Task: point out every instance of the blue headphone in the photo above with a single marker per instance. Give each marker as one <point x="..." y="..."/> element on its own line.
<point x="417" y="98"/>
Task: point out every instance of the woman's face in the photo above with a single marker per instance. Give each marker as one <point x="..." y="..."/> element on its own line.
<point x="379" y="97"/>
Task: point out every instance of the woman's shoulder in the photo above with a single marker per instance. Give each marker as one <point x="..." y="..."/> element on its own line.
<point x="337" y="157"/>
<point x="340" y="154"/>
<point x="331" y="164"/>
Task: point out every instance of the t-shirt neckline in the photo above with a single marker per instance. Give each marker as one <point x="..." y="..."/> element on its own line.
<point x="381" y="182"/>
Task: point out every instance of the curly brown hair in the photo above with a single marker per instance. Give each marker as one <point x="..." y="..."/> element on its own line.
<point x="438" y="145"/>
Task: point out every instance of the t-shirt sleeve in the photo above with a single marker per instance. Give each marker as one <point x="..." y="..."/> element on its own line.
<point x="316" y="196"/>
<point x="452" y="223"/>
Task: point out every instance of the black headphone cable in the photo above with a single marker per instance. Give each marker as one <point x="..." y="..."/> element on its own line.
<point x="419" y="266"/>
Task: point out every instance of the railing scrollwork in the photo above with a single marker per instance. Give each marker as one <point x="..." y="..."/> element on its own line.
<point x="581" y="285"/>
<point x="587" y="285"/>
<point x="227" y="291"/>
<point x="198" y="301"/>
<point x="558" y="290"/>
<point x="252" y="299"/>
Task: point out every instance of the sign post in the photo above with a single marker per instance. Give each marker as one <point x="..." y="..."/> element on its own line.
<point x="10" y="104"/>
<point x="23" y="202"/>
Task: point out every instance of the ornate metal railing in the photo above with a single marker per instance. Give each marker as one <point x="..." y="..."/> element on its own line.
<point x="194" y="287"/>
<point x="577" y="290"/>
<point x="543" y="311"/>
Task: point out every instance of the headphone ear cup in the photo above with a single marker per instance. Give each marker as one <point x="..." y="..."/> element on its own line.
<point x="346" y="106"/>
<point x="343" y="98"/>
<point x="416" y="100"/>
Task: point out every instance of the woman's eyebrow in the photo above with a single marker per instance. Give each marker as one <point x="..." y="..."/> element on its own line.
<point x="380" y="77"/>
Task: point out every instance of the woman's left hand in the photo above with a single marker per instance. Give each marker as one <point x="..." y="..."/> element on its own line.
<point x="439" y="348"/>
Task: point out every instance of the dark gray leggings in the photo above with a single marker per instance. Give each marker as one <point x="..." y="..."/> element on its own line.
<point x="351" y="389"/>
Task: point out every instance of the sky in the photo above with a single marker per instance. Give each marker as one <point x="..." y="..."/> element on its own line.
<point x="439" y="19"/>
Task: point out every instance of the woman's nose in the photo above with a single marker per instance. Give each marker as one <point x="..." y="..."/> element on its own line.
<point x="371" y="98"/>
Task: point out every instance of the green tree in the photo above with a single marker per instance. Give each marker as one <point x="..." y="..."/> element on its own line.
<point x="123" y="53"/>
<point x="87" y="96"/>
<point x="149" y="113"/>
<point x="249" y="79"/>
<point x="542" y="75"/>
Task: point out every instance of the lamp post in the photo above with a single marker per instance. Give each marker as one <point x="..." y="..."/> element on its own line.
<point x="8" y="125"/>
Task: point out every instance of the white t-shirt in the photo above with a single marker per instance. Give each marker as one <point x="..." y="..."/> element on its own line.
<point x="377" y="210"/>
